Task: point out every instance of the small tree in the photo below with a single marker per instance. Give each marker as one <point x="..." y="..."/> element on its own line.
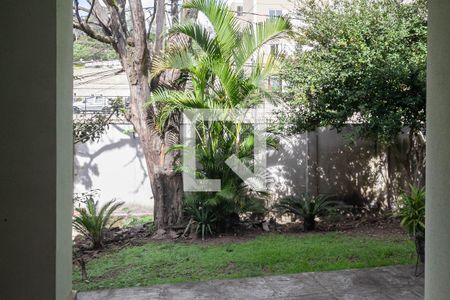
<point x="361" y="61"/>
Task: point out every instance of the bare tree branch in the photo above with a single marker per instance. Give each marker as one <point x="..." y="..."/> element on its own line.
<point x="102" y="15"/>
<point x="152" y="19"/>
<point x="160" y="18"/>
<point x="174" y="10"/>
<point x="139" y="32"/>
<point x="84" y="26"/>
<point x="90" y="11"/>
<point x="91" y="33"/>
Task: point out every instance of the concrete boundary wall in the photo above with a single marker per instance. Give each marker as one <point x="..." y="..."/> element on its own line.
<point x="325" y="161"/>
<point x="321" y="162"/>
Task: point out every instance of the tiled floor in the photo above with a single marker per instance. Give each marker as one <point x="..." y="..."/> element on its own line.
<point x="385" y="283"/>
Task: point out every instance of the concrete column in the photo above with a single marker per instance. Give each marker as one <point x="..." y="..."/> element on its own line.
<point x="35" y="149"/>
<point x="437" y="249"/>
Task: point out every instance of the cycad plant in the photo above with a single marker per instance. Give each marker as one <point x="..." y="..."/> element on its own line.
<point x="201" y="214"/>
<point x="93" y="222"/>
<point x="307" y="208"/>
<point x="223" y="68"/>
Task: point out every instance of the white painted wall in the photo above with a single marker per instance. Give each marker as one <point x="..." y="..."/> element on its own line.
<point x="116" y="166"/>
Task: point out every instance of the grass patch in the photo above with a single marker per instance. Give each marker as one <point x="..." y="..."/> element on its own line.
<point x="270" y="254"/>
<point x="136" y="220"/>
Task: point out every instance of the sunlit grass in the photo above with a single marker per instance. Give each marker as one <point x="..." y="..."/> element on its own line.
<point x="270" y="254"/>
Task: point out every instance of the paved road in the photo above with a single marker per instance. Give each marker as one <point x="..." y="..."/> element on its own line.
<point x="385" y="283"/>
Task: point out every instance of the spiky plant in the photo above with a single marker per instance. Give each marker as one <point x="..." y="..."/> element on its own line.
<point x="93" y="222"/>
<point x="307" y="208"/>
<point x="412" y="214"/>
<point x="200" y="212"/>
<point x="412" y="210"/>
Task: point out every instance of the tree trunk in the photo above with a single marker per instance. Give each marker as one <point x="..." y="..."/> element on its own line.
<point x="165" y="183"/>
<point x="309" y="223"/>
<point x="135" y="53"/>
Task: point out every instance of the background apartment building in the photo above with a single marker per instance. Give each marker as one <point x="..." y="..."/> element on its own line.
<point x="256" y="11"/>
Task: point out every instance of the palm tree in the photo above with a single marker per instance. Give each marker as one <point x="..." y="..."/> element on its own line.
<point x="223" y="68"/>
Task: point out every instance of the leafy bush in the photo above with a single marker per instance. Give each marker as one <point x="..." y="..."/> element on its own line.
<point x="307" y="208"/>
<point x="92" y="222"/>
<point x="354" y="55"/>
<point x="412" y="210"/>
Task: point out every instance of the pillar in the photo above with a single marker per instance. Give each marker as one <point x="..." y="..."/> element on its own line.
<point x="437" y="248"/>
<point x="35" y="149"/>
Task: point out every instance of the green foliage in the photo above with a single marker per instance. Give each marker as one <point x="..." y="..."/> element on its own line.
<point x="81" y="198"/>
<point x="92" y="127"/>
<point x="412" y="211"/>
<point x="137" y="220"/>
<point x="92" y="222"/>
<point x="234" y="198"/>
<point x="145" y="220"/>
<point x="88" y="49"/>
<point x="216" y="79"/>
<point x="359" y="60"/>
<point x="307" y="208"/>
<point x="201" y="213"/>
<point x="270" y="254"/>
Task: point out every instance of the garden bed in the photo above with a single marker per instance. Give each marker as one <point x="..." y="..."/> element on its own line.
<point x="142" y="261"/>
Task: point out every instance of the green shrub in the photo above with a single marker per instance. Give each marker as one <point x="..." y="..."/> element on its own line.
<point x="92" y="222"/>
<point x="412" y="214"/>
<point x="307" y="208"/>
<point x="201" y="214"/>
<point x="412" y="210"/>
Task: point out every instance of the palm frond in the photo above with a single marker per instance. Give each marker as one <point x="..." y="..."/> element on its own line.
<point x="200" y="35"/>
<point x="222" y="19"/>
<point x="263" y="68"/>
<point x="92" y="223"/>
<point x="176" y="58"/>
<point x="172" y="101"/>
<point x="254" y="37"/>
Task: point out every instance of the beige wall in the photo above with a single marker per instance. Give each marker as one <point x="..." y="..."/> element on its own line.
<point x="320" y="162"/>
<point x="325" y="161"/>
<point x="260" y="8"/>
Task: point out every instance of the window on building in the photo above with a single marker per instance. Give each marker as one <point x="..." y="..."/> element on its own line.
<point x="275" y="13"/>
<point x="275" y="48"/>
<point x="239" y="10"/>
<point x="274" y="83"/>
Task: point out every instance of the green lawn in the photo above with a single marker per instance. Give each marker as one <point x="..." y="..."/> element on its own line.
<point x="270" y="254"/>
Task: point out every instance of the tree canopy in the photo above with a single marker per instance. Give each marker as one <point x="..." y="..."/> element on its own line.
<point x="361" y="62"/>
